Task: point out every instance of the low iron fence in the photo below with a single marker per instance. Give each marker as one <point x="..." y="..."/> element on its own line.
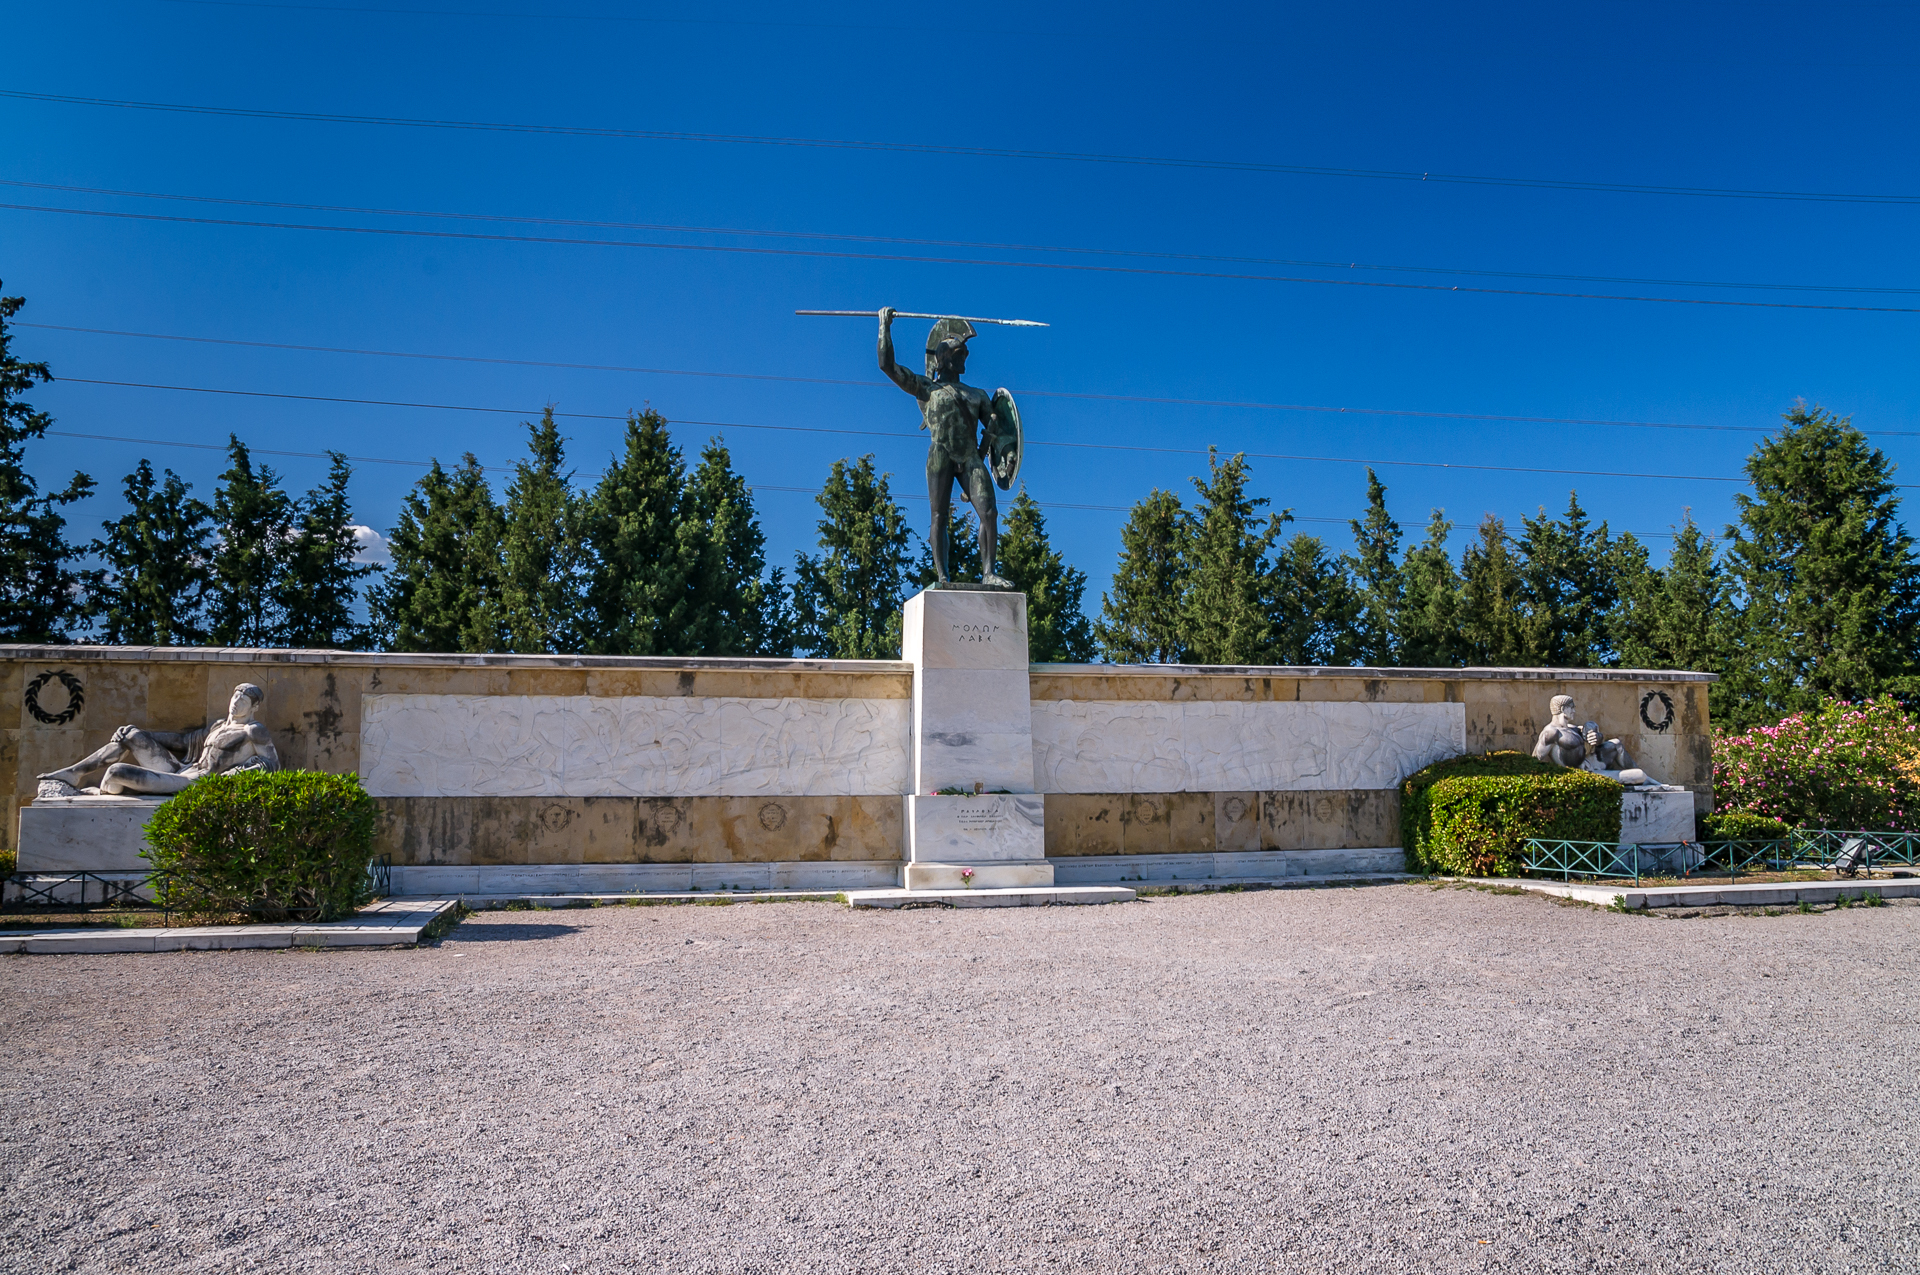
<point x="1849" y="852"/>
<point x="45" y="889"/>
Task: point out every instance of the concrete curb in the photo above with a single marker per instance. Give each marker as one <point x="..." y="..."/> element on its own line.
<point x="1760" y="894"/>
<point x="389" y="923"/>
<point x="1016" y="897"/>
<point x="1325" y="881"/>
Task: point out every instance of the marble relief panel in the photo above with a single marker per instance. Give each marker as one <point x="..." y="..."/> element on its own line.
<point x="639" y="746"/>
<point x="1120" y="746"/>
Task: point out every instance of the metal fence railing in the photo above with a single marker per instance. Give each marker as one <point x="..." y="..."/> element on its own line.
<point x="1848" y="852"/>
<point x="44" y="889"/>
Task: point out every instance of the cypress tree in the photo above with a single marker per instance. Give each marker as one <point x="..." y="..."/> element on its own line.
<point x="441" y="592"/>
<point x="1567" y="589"/>
<point x="253" y="526"/>
<point x="1224" y="618"/>
<point x="1313" y="606"/>
<point x="152" y="589"/>
<point x="1140" y="621"/>
<point x="647" y="554"/>
<point x="540" y="553"/>
<point x="1826" y="576"/>
<point x="847" y="599"/>
<point x="1375" y="572"/>
<point x="747" y="609"/>
<point x="1490" y="616"/>
<point x="1670" y="618"/>
<point x="40" y="591"/>
<point x="1428" y="629"/>
<point x="1057" y="628"/>
<point x="322" y="578"/>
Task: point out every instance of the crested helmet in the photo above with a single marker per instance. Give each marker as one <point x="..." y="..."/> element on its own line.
<point x="947" y="335"/>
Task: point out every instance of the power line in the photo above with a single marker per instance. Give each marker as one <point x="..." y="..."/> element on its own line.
<point x="985" y="246"/>
<point x="908" y="258"/>
<point x="1114" y="447"/>
<point x="979" y="152"/>
<point x="596" y="17"/>
<point x="876" y="384"/>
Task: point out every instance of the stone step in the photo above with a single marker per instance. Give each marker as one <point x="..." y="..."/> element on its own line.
<point x="1709" y="894"/>
<point x="1016" y="897"/>
<point x="389" y="923"/>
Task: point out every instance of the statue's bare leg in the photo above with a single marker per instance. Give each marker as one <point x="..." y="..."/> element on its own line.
<point x="127" y="744"/>
<point x="122" y="779"/>
<point x="979" y="486"/>
<point x="940" y="496"/>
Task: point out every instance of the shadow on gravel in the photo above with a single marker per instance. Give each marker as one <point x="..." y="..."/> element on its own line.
<point x="471" y="933"/>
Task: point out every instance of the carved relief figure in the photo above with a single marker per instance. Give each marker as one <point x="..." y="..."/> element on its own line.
<point x="160" y="763"/>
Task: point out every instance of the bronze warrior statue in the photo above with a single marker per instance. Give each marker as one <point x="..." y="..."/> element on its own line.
<point x="952" y="413"/>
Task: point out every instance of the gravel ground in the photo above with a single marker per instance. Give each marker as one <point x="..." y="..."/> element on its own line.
<point x="1403" y="1078"/>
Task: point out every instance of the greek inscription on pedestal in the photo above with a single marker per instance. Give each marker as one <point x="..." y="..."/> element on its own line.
<point x="981" y="818"/>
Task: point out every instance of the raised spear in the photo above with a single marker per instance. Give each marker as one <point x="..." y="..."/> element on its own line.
<point x="908" y="314"/>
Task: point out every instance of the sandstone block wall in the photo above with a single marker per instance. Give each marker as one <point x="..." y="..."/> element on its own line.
<point x="783" y="761"/>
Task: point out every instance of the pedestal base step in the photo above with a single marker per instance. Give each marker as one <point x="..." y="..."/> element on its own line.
<point x="1030" y="897"/>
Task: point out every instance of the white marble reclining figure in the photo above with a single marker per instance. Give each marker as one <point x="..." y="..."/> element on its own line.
<point x="157" y="763"/>
<point x="1583" y="747"/>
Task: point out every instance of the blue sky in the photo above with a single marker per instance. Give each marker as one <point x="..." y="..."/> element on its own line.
<point x="1777" y="97"/>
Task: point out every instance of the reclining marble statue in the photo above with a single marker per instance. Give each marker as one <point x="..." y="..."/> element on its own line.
<point x="160" y="763"/>
<point x="1565" y="744"/>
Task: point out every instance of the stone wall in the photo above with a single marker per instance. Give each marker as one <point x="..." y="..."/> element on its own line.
<point x="1144" y="760"/>
<point x="494" y="761"/>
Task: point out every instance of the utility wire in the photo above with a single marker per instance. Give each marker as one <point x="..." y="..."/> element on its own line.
<point x="982" y="152"/>
<point x="984" y="246"/>
<point x="1112" y="447"/>
<point x="605" y="17"/>
<point x="874" y="384"/>
<point x="1070" y="266"/>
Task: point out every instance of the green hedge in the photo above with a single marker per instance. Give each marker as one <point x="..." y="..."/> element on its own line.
<point x="1469" y="815"/>
<point x="1741" y="825"/>
<point x="286" y="845"/>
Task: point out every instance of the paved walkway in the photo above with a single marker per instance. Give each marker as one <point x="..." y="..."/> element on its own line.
<point x="1405" y="1078"/>
<point x="388" y="923"/>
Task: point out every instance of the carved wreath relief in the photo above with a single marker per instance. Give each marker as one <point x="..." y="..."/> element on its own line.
<point x="76" y="698"/>
<point x="1665" y="723"/>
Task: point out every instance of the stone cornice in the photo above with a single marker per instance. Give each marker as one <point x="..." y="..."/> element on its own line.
<point x="84" y="653"/>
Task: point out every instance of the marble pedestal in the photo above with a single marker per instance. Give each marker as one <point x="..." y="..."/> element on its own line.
<point x="1655" y="814"/>
<point x="972" y="730"/>
<point x="985" y="842"/>
<point x="85" y="834"/>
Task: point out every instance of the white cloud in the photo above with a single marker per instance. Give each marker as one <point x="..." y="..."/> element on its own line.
<point x="371" y="547"/>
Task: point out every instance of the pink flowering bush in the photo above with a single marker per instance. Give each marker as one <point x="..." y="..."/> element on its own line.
<point x="1840" y="765"/>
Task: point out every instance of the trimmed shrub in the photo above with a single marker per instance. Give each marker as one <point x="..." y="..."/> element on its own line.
<point x="1741" y="825"/>
<point x="1470" y="815"/>
<point x="285" y="845"/>
<point x="1840" y="765"/>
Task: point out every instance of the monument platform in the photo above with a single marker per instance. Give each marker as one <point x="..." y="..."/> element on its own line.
<point x="85" y="834"/>
<point x="1027" y="897"/>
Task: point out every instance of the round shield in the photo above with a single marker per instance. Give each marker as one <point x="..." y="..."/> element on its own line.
<point x="1005" y="442"/>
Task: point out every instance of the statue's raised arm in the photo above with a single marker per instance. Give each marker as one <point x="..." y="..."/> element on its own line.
<point x="907" y="379"/>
